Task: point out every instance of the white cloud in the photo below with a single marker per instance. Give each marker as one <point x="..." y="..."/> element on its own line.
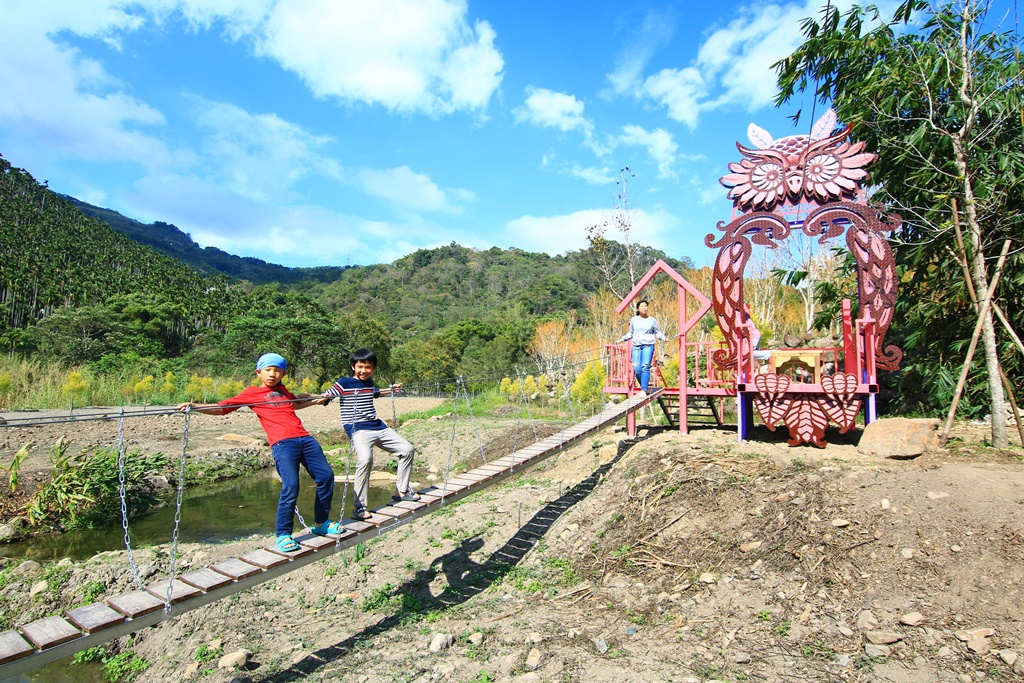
<point x="591" y="174"/>
<point x="405" y="188"/>
<point x="659" y="143"/>
<point x="733" y="66"/>
<point x="56" y="99"/>
<point x="680" y="91"/>
<point x="652" y="33"/>
<point x="258" y="156"/>
<point x="559" y="234"/>
<point x="550" y="109"/>
<point x="406" y="55"/>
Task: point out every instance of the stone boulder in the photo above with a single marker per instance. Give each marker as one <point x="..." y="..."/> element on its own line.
<point x="899" y="437"/>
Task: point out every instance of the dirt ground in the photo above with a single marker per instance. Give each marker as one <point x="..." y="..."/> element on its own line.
<point x="667" y="557"/>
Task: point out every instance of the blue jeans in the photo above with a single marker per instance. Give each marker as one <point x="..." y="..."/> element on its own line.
<point x="642" y="357"/>
<point x="288" y="455"/>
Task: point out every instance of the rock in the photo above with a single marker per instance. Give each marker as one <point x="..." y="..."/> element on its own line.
<point x="955" y="549"/>
<point x="236" y="659"/>
<point x="753" y="545"/>
<point x="528" y="678"/>
<point x="707" y="577"/>
<point x="617" y="581"/>
<point x="936" y="495"/>
<point x="873" y="650"/>
<point x="602" y="646"/>
<point x="534" y="638"/>
<point x="912" y="619"/>
<point x="883" y="637"/>
<point x="445" y="669"/>
<point x="37" y="588"/>
<point x="843" y="660"/>
<point x="475" y="639"/>
<point x="899" y="437"/>
<point x="838" y="523"/>
<point x="8" y="533"/>
<point x="631" y="630"/>
<point x="866" y="621"/>
<point x="979" y="646"/>
<point x="28" y="567"/>
<point x="1009" y="657"/>
<point x="908" y="553"/>
<point x="607" y="453"/>
<point x="944" y="651"/>
<point x="966" y="634"/>
<point x="192" y="669"/>
<point x="441" y="641"/>
<point x="741" y="657"/>
<point x="533" y="659"/>
<point x="845" y="630"/>
<point x="886" y="504"/>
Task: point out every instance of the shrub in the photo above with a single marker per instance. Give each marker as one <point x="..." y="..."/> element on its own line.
<point x="586" y="389"/>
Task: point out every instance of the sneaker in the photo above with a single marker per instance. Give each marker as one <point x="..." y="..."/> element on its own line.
<point x="409" y="495"/>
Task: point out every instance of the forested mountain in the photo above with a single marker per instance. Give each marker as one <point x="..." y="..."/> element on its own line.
<point x="171" y="241"/>
<point x="432" y="289"/>
<point x="76" y="292"/>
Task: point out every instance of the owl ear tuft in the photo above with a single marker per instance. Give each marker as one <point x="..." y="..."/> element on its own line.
<point x="824" y="126"/>
<point x="759" y="137"/>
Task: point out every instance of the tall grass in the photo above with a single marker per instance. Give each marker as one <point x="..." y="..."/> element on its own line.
<point x="28" y="384"/>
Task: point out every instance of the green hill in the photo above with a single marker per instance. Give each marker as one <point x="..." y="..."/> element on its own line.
<point x="169" y="240"/>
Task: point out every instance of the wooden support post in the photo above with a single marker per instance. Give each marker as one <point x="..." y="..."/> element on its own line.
<point x="962" y="257"/>
<point x="974" y="342"/>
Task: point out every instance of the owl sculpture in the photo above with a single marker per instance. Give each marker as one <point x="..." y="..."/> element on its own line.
<point x="815" y="168"/>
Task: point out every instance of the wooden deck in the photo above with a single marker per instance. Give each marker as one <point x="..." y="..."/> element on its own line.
<point x="51" y="638"/>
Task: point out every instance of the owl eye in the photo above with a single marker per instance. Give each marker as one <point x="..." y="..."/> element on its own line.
<point x="822" y="168"/>
<point x="767" y="176"/>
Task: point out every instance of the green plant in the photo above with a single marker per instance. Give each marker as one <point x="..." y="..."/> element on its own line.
<point x="93" y="654"/>
<point x="14" y="469"/>
<point x="83" y="490"/>
<point x="764" y="615"/>
<point x="205" y="653"/>
<point x="784" y="628"/>
<point x="56" y="575"/>
<point x="360" y="551"/>
<point x="93" y="590"/>
<point x="123" y="667"/>
<point x="484" y="677"/>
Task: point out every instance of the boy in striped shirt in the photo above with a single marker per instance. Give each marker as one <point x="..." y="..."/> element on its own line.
<point x="366" y="430"/>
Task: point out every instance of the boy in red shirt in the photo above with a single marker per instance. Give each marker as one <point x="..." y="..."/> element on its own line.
<point x="290" y="443"/>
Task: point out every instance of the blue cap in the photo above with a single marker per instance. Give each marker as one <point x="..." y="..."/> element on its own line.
<point x="275" y="359"/>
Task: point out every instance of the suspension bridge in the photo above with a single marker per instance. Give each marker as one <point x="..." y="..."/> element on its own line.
<point x="54" y="637"/>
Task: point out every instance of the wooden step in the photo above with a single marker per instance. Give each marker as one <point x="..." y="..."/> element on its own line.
<point x="206" y="579"/>
<point x="135" y="604"/>
<point x="264" y="559"/>
<point x="13" y="646"/>
<point x="179" y="591"/>
<point x="235" y="568"/>
<point x="94" y="617"/>
<point x="49" y="632"/>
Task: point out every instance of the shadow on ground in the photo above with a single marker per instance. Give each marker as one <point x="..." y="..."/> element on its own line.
<point x="465" y="577"/>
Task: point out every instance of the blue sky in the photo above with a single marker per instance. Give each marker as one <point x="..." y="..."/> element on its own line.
<point x="330" y="132"/>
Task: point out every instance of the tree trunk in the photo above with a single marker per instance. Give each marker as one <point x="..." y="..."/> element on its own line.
<point x="961" y="146"/>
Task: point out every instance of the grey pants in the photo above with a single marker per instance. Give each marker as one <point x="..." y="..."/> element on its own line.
<point x="389" y="440"/>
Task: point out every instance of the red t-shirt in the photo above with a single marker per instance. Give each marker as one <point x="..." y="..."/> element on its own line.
<point x="278" y="419"/>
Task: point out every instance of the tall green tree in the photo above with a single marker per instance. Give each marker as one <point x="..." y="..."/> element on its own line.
<point x="936" y="92"/>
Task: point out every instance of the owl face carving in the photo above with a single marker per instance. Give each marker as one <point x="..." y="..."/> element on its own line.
<point x="819" y="167"/>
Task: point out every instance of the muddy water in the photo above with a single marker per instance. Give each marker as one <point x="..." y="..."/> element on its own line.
<point x="209" y="514"/>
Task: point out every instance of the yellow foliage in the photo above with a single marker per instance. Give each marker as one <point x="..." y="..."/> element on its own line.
<point x="587" y="387"/>
<point x="199" y="387"/>
<point x="144" y="387"/>
<point x="229" y="389"/>
<point x="168" y="387"/>
<point x="308" y="385"/>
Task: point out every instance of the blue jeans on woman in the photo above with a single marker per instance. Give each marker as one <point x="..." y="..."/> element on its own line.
<point x="288" y="455"/>
<point x="643" y="354"/>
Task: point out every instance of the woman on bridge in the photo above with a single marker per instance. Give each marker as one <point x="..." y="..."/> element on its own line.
<point x="644" y="331"/>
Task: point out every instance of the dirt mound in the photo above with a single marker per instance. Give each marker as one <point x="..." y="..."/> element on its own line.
<point x="684" y="558"/>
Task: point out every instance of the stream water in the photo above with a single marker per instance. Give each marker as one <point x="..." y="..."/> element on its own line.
<point x="209" y="514"/>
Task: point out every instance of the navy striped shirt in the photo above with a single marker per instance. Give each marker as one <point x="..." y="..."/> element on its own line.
<point x="356" y="399"/>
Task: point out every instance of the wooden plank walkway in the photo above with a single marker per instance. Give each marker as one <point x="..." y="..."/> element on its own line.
<point x="55" y="637"/>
